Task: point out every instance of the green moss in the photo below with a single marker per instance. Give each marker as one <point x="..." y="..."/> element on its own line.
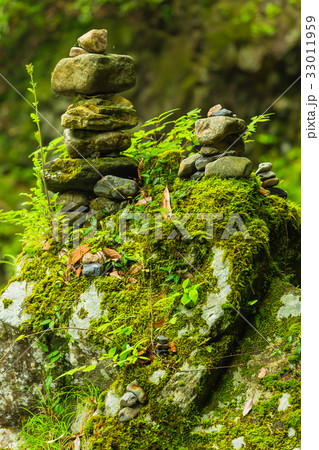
<point x="6" y="302"/>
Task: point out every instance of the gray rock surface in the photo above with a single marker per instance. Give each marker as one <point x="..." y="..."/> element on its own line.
<point x="112" y="403"/>
<point x="214" y="129"/>
<point x="92" y="74"/>
<point x="202" y="161"/>
<point x="197" y="176"/>
<point x="291" y="306"/>
<point x="84" y="143"/>
<point x="187" y="166"/>
<point x="75" y="198"/>
<point x="92" y="270"/>
<point x="79" y="174"/>
<point x="116" y="188"/>
<point x="107" y="113"/>
<point x="229" y="166"/>
<point x="128" y="399"/>
<point x="103" y="207"/>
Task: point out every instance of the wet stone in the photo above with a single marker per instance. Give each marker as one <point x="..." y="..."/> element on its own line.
<point x="92" y="270"/>
<point x="116" y="188"/>
<point x="229" y="166"/>
<point x="94" y="41"/>
<point x="128" y="413"/>
<point x="128" y="399"/>
<point x="85" y="143"/>
<point x="92" y="74"/>
<point x="270" y="183"/>
<point x="187" y="166"/>
<point x="264" y="167"/>
<point x="277" y="191"/>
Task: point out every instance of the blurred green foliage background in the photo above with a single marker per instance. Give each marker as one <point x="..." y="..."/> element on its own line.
<point x="189" y="55"/>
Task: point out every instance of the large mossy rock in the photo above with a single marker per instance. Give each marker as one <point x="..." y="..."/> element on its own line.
<point x="195" y="398"/>
<point x="93" y="74"/>
<point x="82" y="174"/>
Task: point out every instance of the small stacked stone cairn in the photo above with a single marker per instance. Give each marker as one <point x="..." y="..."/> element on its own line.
<point x="222" y="147"/>
<point x="162" y="346"/>
<point x="269" y="179"/>
<point x="95" y="174"/>
<point x="132" y="402"/>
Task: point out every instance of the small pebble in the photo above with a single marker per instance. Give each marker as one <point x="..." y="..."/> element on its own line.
<point x="214" y="109"/>
<point x="267" y="175"/>
<point x="277" y="191"/>
<point x="126" y="414"/>
<point x="222" y="112"/>
<point x="197" y="176"/>
<point x="75" y="51"/>
<point x="263" y="167"/>
<point x="136" y="389"/>
<point x="270" y="183"/>
<point x="92" y="270"/>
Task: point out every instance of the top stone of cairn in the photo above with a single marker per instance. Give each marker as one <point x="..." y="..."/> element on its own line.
<point x="89" y="72"/>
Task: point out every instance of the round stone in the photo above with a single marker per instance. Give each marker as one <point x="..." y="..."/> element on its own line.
<point x="187" y="166"/>
<point x="270" y="183"/>
<point x="214" y="129"/>
<point x="202" y="161"/>
<point x="128" y="399"/>
<point x="94" y="41"/>
<point x="136" y="389"/>
<point x="128" y="413"/>
<point x="162" y="339"/>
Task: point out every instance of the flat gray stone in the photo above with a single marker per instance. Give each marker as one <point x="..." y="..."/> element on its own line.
<point x="291" y="306"/>
<point x="270" y="182"/>
<point x="187" y="166"/>
<point x="92" y="270"/>
<point x="106" y="113"/>
<point x="116" y="188"/>
<point x="210" y="151"/>
<point x="92" y="74"/>
<point x="74" y="199"/>
<point x="264" y="167"/>
<point x="267" y="175"/>
<point x="112" y="403"/>
<point x="79" y="174"/>
<point x="214" y="129"/>
<point x="222" y="112"/>
<point x="85" y="143"/>
<point x="229" y="166"/>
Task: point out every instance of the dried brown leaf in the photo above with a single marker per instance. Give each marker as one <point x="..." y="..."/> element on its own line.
<point x="159" y="324"/>
<point x="78" y="272"/>
<point x="111" y="254"/>
<point x="262" y="373"/>
<point x="248" y="406"/>
<point x="132" y="280"/>
<point x="139" y="172"/>
<point x="115" y="274"/>
<point x="166" y="204"/>
<point x="143" y="201"/>
<point x="77" y="253"/>
<point x="46" y="245"/>
<point x="264" y="192"/>
<point x="136" y="268"/>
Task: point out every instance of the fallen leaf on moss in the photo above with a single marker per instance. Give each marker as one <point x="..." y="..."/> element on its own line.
<point x="143" y="201"/>
<point x="159" y="324"/>
<point x="115" y="274"/>
<point x="262" y="373"/>
<point x="132" y="280"/>
<point x="46" y="245"/>
<point x="136" y="269"/>
<point x="264" y="192"/>
<point x="166" y="204"/>
<point x="248" y="406"/>
<point x="77" y="253"/>
<point x="111" y="254"/>
<point x="78" y="272"/>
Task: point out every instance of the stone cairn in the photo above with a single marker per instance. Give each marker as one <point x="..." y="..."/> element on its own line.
<point x="132" y="402"/>
<point x="222" y="147"/>
<point x="269" y="179"/>
<point x="96" y="177"/>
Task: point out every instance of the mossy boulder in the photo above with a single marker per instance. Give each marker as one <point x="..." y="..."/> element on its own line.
<point x="233" y="272"/>
<point x="82" y="174"/>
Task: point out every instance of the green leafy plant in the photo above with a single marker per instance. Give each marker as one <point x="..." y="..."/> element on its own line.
<point x="252" y="127"/>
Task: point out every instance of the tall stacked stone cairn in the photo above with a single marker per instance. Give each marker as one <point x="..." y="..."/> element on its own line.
<point x="222" y="147"/>
<point x="95" y="177"/>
